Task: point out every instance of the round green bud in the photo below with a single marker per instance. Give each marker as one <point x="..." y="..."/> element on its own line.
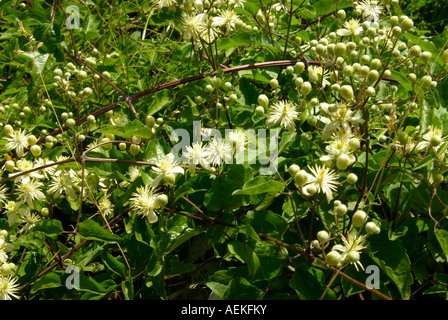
<point x="354" y="143"/>
<point x="57" y="72"/>
<point x="375" y="64"/>
<point x="263" y="100"/>
<point x="340" y="210"/>
<point x="233" y="97"/>
<point x="394" y="21"/>
<point x="273" y="83"/>
<point x="300" y="67"/>
<point x="289" y="69"/>
<point x="293" y="169"/>
<point x="370" y="91"/>
<point x="403" y="137"/>
<point x="396" y="31"/>
<point x="406" y="24"/>
<point x="438" y="178"/>
<point x="333" y="258"/>
<point x="415" y="51"/>
<point x="35" y="150"/>
<point x="5" y="269"/>
<point x="353" y="256"/>
<point x="31" y="140"/>
<point x="82" y="75"/>
<point x="134" y="149"/>
<point x="305" y="88"/>
<point x="348" y="71"/>
<point x="298" y="82"/>
<point x="346" y="92"/>
<point x="259" y="110"/>
<point x="359" y="218"/>
<point x="209" y="88"/>
<point x="216" y="82"/>
<point x="162" y="200"/>
<point x="371" y="228"/>
<point x="300" y="178"/>
<point x="323" y="236"/>
<point x="435" y="141"/>
<point x="339" y="49"/>
<point x="170" y="179"/>
<point x="373" y="75"/>
<point x="343" y="161"/>
<point x="426" y="81"/>
<point x="91" y="119"/>
<point x="70" y="123"/>
<point x="9" y="165"/>
<point x="310" y="190"/>
<point x="122" y="146"/>
<point x="426" y="56"/>
<point x="445" y="57"/>
<point x="150" y="121"/>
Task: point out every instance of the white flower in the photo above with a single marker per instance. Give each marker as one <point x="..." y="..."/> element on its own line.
<point x="46" y="172"/>
<point x="218" y="151"/>
<point x="337" y="147"/>
<point x="18" y="141"/>
<point x="106" y="206"/>
<point x="351" y="245"/>
<point x="370" y="9"/>
<point x="29" y="219"/>
<point x="191" y="26"/>
<point x="8" y="288"/>
<point x="226" y="19"/>
<point x="196" y="154"/>
<point x="351" y="27"/>
<point x="433" y="138"/>
<point x="283" y="113"/>
<point x="146" y="202"/>
<point x="62" y="182"/>
<point x="118" y="119"/>
<point x="316" y="74"/>
<point x="29" y="190"/>
<point x="166" y="168"/>
<point x="323" y="179"/>
<point x="166" y="3"/>
<point x="3" y="196"/>
<point x="341" y="119"/>
<point x="209" y="27"/>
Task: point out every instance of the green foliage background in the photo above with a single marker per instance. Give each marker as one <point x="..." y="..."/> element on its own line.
<point x="230" y="232"/>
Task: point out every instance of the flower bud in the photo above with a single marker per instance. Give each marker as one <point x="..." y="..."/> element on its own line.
<point x="352" y="178"/>
<point x="91" y="119"/>
<point x="340" y="210"/>
<point x="323" y="236"/>
<point x="343" y="161"/>
<point x="339" y="49"/>
<point x="134" y="149"/>
<point x="415" y="51"/>
<point x="372" y="228"/>
<point x="373" y="75"/>
<point x="9" y="165"/>
<point x="353" y="256"/>
<point x="333" y="258"/>
<point x="31" y="140"/>
<point x="259" y="110"/>
<point x="358" y="218"/>
<point x="426" y="56"/>
<point x="293" y="169"/>
<point x="300" y="178"/>
<point x="9" y="130"/>
<point x="407" y="24"/>
<point x="35" y="150"/>
<point x="273" y="83"/>
<point x="263" y="100"/>
<point x="346" y="92"/>
<point x="162" y="200"/>
<point x="305" y="88"/>
<point x="300" y="67"/>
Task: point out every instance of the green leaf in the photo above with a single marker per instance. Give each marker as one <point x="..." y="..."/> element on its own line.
<point x="51" y="227"/>
<point x="260" y="184"/>
<point x="217" y="288"/>
<point x="113" y="264"/>
<point x="309" y="283"/>
<point x="442" y="238"/>
<point x="91" y="230"/>
<point x="47" y="281"/>
<point x="128" y="288"/>
<point x="241" y="289"/>
<point x="246" y="255"/>
<point x="392" y="258"/>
